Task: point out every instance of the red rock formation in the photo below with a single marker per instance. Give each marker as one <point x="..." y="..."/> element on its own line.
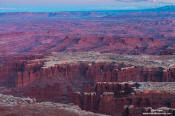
<point x="93" y="85"/>
<point x="114" y="35"/>
<point x="67" y="78"/>
<point x="79" y="81"/>
<point x="97" y="72"/>
<point x="118" y="102"/>
<point x="120" y="90"/>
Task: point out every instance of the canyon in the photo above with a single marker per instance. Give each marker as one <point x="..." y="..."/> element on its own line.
<point x="94" y="81"/>
<point x="92" y="63"/>
<point x="105" y="31"/>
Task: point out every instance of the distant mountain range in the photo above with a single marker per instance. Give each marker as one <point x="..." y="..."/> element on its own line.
<point x="164" y="8"/>
<point x="168" y="8"/>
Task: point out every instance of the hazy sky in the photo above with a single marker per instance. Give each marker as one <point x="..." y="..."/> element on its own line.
<point x="74" y="5"/>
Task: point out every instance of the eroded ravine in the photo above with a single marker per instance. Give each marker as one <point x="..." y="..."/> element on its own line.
<point x="90" y="80"/>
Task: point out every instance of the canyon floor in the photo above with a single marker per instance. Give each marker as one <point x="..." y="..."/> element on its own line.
<point x="87" y="63"/>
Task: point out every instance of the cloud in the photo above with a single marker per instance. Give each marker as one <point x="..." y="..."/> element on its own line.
<point x="71" y="2"/>
<point x="79" y="1"/>
<point x="147" y="0"/>
<point x="74" y="2"/>
<point x="161" y="1"/>
<point x="7" y="8"/>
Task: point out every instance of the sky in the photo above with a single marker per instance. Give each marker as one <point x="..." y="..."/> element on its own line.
<point x="78" y="5"/>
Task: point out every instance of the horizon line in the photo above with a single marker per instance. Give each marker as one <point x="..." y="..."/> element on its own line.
<point x="90" y="10"/>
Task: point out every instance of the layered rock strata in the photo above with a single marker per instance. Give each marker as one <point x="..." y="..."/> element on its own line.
<point x="91" y="80"/>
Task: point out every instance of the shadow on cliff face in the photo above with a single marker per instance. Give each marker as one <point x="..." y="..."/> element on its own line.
<point x="90" y="80"/>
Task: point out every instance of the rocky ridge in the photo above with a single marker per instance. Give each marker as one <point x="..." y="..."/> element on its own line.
<point x="97" y="82"/>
